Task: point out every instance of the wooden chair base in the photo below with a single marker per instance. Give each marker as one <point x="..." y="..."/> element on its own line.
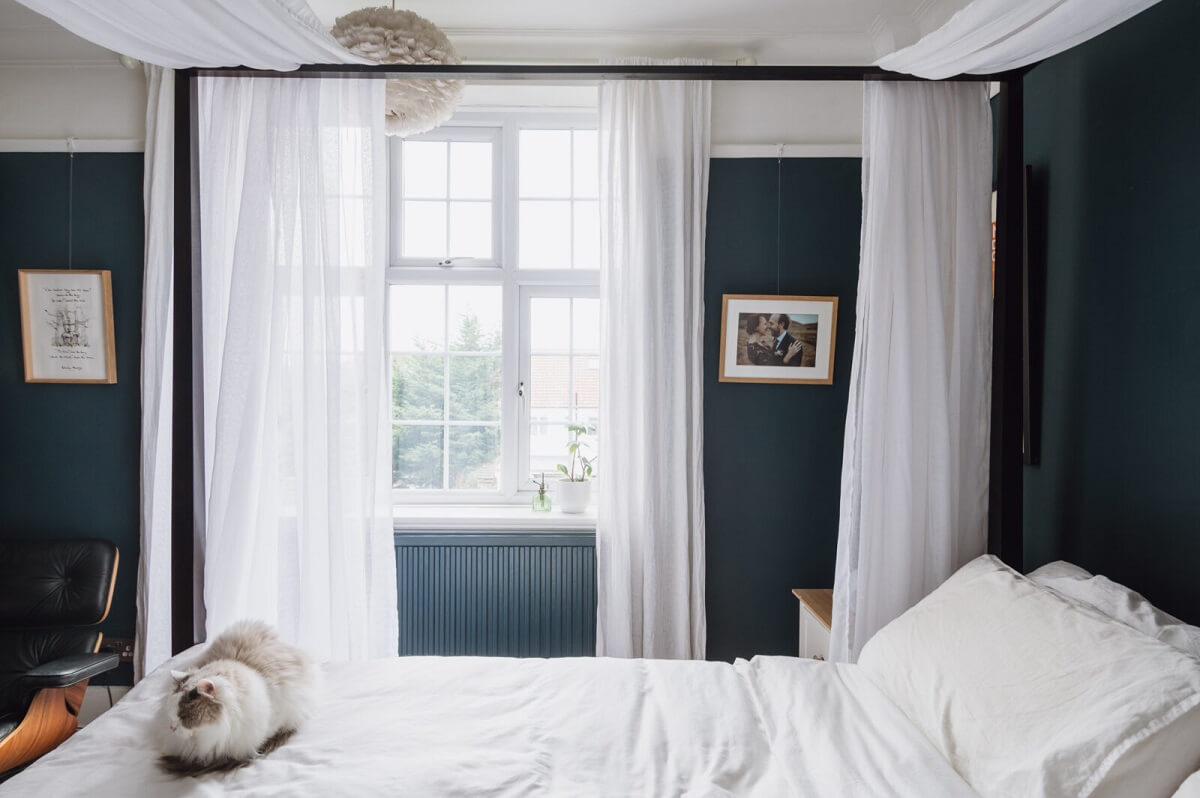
<point x="52" y="718"/>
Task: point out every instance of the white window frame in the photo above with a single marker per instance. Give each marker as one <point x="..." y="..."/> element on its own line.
<point x="517" y="286"/>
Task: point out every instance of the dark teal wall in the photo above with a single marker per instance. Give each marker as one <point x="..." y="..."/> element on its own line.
<point x="773" y="453"/>
<point x="1113" y="133"/>
<point x="69" y="453"/>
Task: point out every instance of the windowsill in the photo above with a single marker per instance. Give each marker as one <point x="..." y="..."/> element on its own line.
<point x="490" y="517"/>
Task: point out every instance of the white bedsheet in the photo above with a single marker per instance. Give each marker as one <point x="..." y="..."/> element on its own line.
<point x="425" y="726"/>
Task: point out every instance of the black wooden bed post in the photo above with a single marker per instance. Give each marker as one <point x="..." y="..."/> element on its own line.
<point x="1004" y="514"/>
<point x="1005" y="499"/>
<point x="183" y="448"/>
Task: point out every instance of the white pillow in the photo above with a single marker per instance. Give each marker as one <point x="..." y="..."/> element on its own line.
<point x="1029" y="694"/>
<point x="1119" y="602"/>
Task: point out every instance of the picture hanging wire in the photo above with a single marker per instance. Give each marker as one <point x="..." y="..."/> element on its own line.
<point x="70" y="197"/>
<point x="778" y="213"/>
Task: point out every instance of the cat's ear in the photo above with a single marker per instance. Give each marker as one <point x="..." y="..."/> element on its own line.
<point x="206" y="688"/>
<point x="180" y="677"/>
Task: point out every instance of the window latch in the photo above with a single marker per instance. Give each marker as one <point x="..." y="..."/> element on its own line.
<point x="521" y="389"/>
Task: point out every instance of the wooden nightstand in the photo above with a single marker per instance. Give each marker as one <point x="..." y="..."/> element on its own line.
<point x="816" y="615"/>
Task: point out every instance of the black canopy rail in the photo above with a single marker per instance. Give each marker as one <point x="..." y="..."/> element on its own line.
<point x="575" y="72"/>
<point x="1005" y="530"/>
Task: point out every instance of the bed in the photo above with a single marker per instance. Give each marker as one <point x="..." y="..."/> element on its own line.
<point x="995" y="684"/>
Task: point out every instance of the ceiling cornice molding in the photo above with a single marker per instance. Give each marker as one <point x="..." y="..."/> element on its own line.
<point x="670" y="33"/>
<point x="845" y="45"/>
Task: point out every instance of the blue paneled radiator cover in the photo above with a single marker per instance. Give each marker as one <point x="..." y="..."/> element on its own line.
<point x="506" y="594"/>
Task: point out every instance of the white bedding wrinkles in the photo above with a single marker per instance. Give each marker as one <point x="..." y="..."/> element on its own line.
<point x="463" y="726"/>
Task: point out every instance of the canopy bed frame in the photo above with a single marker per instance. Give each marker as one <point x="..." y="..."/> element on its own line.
<point x="940" y="703"/>
<point x="1010" y="331"/>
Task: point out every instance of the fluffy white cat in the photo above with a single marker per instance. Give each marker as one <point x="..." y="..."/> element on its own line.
<point x="246" y="696"/>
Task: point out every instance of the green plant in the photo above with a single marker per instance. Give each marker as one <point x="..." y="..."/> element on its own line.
<point x="581" y="466"/>
<point x="541" y="484"/>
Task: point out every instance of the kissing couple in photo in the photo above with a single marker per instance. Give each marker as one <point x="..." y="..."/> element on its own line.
<point x="768" y="342"/>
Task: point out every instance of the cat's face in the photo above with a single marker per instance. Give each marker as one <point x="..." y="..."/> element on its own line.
<point x="198" y="706"/>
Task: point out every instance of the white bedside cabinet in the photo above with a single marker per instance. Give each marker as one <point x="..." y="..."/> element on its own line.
<point x="816" y="615"/>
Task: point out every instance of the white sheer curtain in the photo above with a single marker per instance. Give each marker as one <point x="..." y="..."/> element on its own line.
<point x="152" y="644"/>
<point x="915" y="462"/>
<point x="296" y="429"/>
<point x="264" y="34"/>
<point x="997" y="35"/>
<point x="654" y="143"/>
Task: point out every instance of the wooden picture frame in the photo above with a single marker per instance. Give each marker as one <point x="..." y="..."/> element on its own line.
<point x="67" y="326"/>
<point x="792" y="341"/>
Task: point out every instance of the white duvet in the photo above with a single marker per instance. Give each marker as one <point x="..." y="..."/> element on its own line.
<point x="426" y="726"/>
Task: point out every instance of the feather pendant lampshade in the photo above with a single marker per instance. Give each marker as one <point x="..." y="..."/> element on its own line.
<point x="402" y="37"/>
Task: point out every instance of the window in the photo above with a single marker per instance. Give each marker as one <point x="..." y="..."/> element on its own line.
<point x="493" y="308"/>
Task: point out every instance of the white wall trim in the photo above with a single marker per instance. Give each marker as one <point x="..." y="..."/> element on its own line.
<point x="81" y="145"/>
<point x="848" y="149"/>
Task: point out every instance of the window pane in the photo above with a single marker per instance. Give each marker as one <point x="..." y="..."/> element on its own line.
<point x="586" y="382"/>
<point x="585" y="322"/>
<point x="475" y="314"/>
<point x="549" y="323"/>
<point x="587" y="235"/>
<point x="475" y="388"/>
<point x="418" y="386"/>
<point x="474" y="458"/>
<point x="547" y="447"/>
<point x="470" y="229"/>
<point x="550" y="388"/>
<point x="586" y="164"/>
<point x="423" y="164"/>
<point x="590" y="418"/>
<point x="424" y="229"/>
<point x="417" y="456"/>
<point x="417" y="318"/>
<point x="545" y="163"/>
<point x="470" y="170"/>
<point x="544" y="237"/>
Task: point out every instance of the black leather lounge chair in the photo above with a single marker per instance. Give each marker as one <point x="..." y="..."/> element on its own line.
<point x="53" y="593"/>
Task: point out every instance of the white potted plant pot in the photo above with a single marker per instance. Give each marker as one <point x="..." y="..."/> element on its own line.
<point x="573" y="497"/>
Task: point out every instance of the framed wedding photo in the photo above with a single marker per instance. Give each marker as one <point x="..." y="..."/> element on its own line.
<point x="785" y="339"/>
<point x="67" y="326"/>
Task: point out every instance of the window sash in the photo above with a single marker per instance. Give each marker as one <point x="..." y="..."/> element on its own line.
<point x="528" y="293"/>
<point x="491" y="134"/>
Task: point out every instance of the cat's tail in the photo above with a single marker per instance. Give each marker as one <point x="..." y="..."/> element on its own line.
<point x="277" y="739"/>
<point x="241" y="639"/>
<point x="179" y="766"/>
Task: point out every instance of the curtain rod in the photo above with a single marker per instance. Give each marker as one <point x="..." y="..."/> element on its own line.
<point x="544" y="72"/>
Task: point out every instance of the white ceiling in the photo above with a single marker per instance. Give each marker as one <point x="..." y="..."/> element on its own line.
<point x="773" y="31"/>
<point x="29" y="39"/>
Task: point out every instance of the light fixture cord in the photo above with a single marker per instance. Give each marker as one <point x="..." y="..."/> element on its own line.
<point x="70" y="199"/>
<point x="778" y="214"/>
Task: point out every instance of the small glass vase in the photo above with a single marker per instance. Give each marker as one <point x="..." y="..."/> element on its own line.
<point x="541" y="502"/>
